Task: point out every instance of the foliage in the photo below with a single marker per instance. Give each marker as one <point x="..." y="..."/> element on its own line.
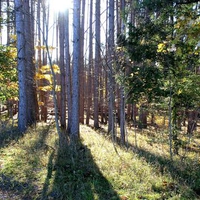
<point x="163" y="46"/>
<point x="8" y="73"/>
<point x="44" y="73"/>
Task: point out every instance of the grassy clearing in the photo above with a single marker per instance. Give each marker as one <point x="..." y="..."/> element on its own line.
<point x="33" y="167"/>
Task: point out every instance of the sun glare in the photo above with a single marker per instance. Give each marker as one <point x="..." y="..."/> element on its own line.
<point x="60" y="5"/>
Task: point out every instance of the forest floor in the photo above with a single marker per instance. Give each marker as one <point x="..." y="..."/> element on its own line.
<point x="33" y="167"/>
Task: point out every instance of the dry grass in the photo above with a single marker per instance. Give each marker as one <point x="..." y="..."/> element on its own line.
<point x="33" y="167"/>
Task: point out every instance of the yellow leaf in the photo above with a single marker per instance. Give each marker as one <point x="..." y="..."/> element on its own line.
<point x="40" y="103"/>
<point x="161" y="47"/>
<point x="56" y="69"/>
<point x="179" y="91"/>
<point x="39" y="76"/>
<point x="58" y="88"/>
<point x="48" y="77"/>
<point x="45" y="68"/>
<point x="45" y="88"/>
<point x="13" y="37"/>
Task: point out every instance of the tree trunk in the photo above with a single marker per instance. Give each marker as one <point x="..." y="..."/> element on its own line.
<point x="122" y="116"/>
<point x="8" y="24"/>
<point x="111" y="107"/>
<point x="0" y="24"/>
<point x="22" y="116"/>
<point x="75" y="71"/>
<point x="68" y="73"/>
<point x="142" y="117"/>
<point x="62" y="70"/>
<point x="30" y="67"/>
<point x="90" y="63"/>
<point x="97" y="64"/>
<point x="192" y="121"/>
<point x="42" y="94"/>
<point x="82" y="72"/>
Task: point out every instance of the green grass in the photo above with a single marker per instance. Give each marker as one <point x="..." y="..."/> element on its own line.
<point x="33" y="167"/>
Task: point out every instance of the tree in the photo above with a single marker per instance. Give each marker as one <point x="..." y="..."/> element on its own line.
<point x="22" y="116"/>
<point x="122" y="92"/>
<point x="74" y="130"/>
<point x="82" y="60"/>
<point x="30" y="66"/>
<point x="8" y="74"/>
<point x="62" y="70"/>
<point x="1" y="23"/>
<point x="97" y="63"/>
<point x="111" y="124"/>
<point x="163" y="58"/>
<point x="42" y="82"/>
<point x="90" y="63"/>
<point x="68" y="72"/>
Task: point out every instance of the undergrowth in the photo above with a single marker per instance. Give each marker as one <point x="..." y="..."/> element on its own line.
<point x="33" y="167"/>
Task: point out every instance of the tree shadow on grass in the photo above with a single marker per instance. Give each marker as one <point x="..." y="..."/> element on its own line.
<point x="185" y="173"/>
<point x="190" y="176"/>
<point x="9" y="135"/>
<point x="24" y="165"/>
<point x="76" y="177"/>
<point x="12" y="189"/>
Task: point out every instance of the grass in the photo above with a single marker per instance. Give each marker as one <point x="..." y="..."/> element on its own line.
<point x="33" y="167"/>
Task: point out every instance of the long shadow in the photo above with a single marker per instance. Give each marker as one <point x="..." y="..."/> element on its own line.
<point x="27" y="189"/>
<point x="9" y="135"/>
<point x="190" y="176"/>
<point x="76" y="177"/>
<point x="15" y="189"/>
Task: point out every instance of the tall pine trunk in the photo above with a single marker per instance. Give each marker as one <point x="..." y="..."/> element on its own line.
<point x="68" y="72"/>
<point x="62" y="70"/>
<point x="97" y="64"/>
<point x="111" y="89"/>
<point x="75" y="71"/>
<point x="90" y="63"/>
<point x="82" y="71"/>
<point x="22" y="115"/>
<point x="30" y="67"/>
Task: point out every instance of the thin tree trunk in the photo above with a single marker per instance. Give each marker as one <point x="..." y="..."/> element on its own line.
<point x="68" y="72"/>
<point x="170" y="124"/>
<point x="62" y="68"/>
<point x="82" y="72"/>
<point x="142" y="117"/>
<point x="122" y="116"/>
<point x="97" y="64"/>
<point x="90" y="63"/>
<point x="111" y="107"/>
<point x="8" y="24"/>
<point x="42" y="94"/>
<point x="0" y="24"/>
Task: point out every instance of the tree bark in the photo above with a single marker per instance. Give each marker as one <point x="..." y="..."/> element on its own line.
<point x="111" y="107"/>
<point x="22" y="115"/>
<point x="142" y="117"/>
<point x="82" y="72"/>
<point x="68" y="72"/>
<point x="75" y="71"/>
<point x="90" y="63"/>
<point x="30" y="67"/>
<point x="62" y="70"/>
<point x="97" y="64"/>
